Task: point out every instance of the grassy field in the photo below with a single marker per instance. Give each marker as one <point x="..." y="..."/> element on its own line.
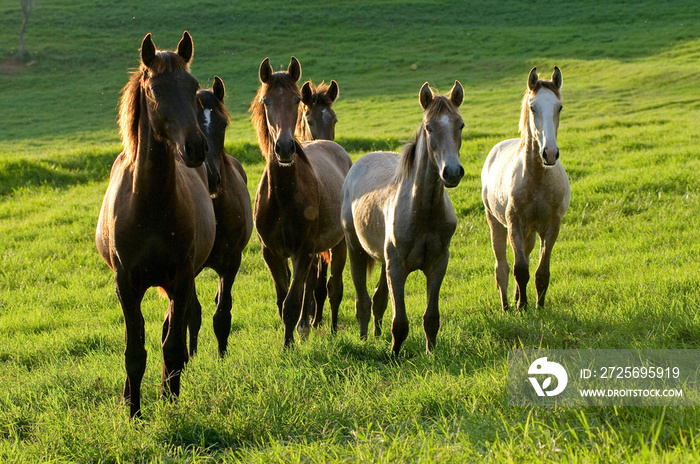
<point x="624" y="272"/>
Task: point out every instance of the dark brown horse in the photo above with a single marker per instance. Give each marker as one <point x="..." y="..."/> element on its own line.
<point x="234" y="219"/>
<point x="297" y="205"/>
<point x="156" y="226"/>
<point x="316" y="121"/>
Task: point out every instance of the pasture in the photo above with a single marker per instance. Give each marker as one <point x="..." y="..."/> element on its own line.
<point x="625" y="268"/>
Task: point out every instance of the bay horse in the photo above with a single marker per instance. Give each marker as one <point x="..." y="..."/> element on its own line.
<point x="396" y="211"/>
<point x="234" y="220"/>
<point x="526" y="191"/>
<point x="156" y="225"/>
<point x="316" y="121"/>
<point x="297" y="204"/>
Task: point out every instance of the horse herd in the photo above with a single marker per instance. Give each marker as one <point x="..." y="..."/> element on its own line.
<point x="176" y="203"/>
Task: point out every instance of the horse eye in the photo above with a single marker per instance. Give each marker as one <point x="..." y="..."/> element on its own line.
<point x="561" y="108"/>
<point x="532" y="108"/>
<point x="461" y="126"/>
<point x="429" y="128"/>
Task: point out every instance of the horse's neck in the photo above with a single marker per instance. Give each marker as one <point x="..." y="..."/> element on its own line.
<point x="533" y="167"/>
<point x="282" y="180"/>
<point x="154" y="167"/>
<point x="427" y="189"/>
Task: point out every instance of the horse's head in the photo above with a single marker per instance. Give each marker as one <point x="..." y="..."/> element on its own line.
<point x="213" y="120"/>
<point x="317" y="102"/>
<point x="170" y="92"/>
<point x="443" y="126"/>
<point x="280" y="97"/>
<point x="541" y="108"/>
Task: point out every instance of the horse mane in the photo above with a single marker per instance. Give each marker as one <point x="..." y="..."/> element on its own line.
<point x="439" y="105"/>
<point x="524" y="125"/>
<point x="130" y="101"/>
<point x="257" y="108"/>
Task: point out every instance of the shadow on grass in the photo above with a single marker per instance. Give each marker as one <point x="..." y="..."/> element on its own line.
<point x="62" y="173"/>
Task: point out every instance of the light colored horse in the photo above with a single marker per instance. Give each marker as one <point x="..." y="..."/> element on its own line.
<point x="396" y="211"/>
<point x="297" y="205"/>
<point x="526" y="191"/>
<point x="157" y="225"/>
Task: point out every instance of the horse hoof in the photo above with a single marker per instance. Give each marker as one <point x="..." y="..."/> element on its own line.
<point x="304" y="332"/>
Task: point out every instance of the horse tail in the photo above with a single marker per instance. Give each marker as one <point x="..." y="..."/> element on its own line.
<point x="370" y="266"/>
<point x="326" y="256"/>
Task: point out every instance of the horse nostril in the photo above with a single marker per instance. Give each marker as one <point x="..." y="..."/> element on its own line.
<point x="461" y="172"/>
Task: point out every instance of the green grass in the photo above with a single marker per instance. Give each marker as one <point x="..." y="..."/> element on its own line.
<point x="624" y="271"/>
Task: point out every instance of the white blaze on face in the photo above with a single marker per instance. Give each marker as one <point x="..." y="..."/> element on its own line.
<point x="545" y="107"/>
<point x="207" y="119"/>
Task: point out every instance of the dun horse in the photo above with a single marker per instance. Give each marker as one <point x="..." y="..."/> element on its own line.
<point x="526" y="191"/>
<point x="234" y="220"/>
<point x="297" y="205"/>
<point x="316" y="121"/>
<point x="157" y="225"/>
<point x="396" y="211"/>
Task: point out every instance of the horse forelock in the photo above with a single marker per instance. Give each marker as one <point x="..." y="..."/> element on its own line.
<point x="524" y="125"/>
<point x="130" y="101"/>
<point x="257" y="109"/>
<point x="320" y="94"/>
<point x="210" y="101"/>
<point x="439" y="106"/>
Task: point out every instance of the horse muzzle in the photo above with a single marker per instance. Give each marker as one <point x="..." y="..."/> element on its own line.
<point x="213" y="179"/>
<point x="550" y="157"/>
<point x="285" y="151"/>
<point x="452" y="175"/>
<point x="194" y="152"/>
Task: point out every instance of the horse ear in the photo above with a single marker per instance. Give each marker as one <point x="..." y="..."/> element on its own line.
<point x="307" y="93"/>
<point x="457" y="94"/>
<point x="333" y="91"/>
<point x="219" y="88"/>
<point x="556" y="77"/>
<point x="426" y="96"/>
<point x="532" y="79"/>
<point x="294" y="69"/>
<point x="148" y="51"/>
<point x="265" y="71"/>
<point x="185" y="48"/>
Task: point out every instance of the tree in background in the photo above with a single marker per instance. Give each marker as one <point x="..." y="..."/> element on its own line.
<point x="27" y="7"/>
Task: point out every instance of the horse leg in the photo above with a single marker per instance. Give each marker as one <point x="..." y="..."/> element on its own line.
<point x="542" y="273"/>
<point x="431" y="317"/>
<point x="224" y="303"/>
<point x="277" y="265"/>
<point x="308" y="304"/>
<point x="135" y="352"/>
<point x="359" y="262"/>
<point x="380" y="298"/>
<point x="396" y="281"/>
<point x="339" y="255"/>
<point x="292" y="306"/>
<point x="499" y="236"/>
<point x="521" y="268"/>
<point x="194" y="322"/>
<point x="321" y="291"/>
<point x="174" y="345"/>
